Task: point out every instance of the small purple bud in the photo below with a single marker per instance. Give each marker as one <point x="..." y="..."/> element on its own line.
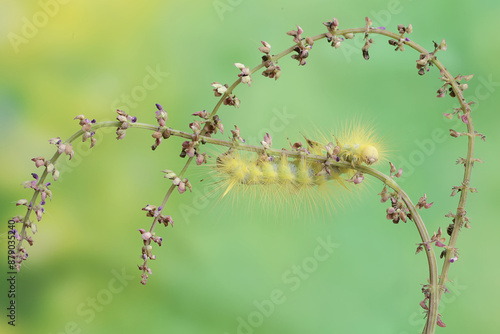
<point x="160" y="208"/>
<point x="93" y="121"/>
<point x="133" y="119"/>
<point x="381" y="28"/>
<point x="42" y="203"/>
<point x="35" y="176"/>
<point x="454" y="259"/>
<point x="48" y="184"/>
<point x="407" y="39"/>
<point x="159" y="106"/>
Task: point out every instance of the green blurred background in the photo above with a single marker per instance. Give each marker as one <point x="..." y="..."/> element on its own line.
<point x="219" y="266"/>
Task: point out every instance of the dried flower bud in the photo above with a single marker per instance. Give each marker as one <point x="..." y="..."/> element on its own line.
<point x="181" y="187"/>
<point x="455" y="134"/>
<point x="267" y="142"/>
<point x="393" y="168"/>
<point x="442" y="45"/>
<point x="22" y="202"/>
<point x="39" y="161"/>
<point x="169" y="174"/>
<point x="176" y="181"/>
<point x="384" y="194"/>
<point x="202" y="114"/>
<point x="166" y="133"/>
<point x="201" y="158"/>
<point x="55" y="141"/>
<point x="399" y="173"/>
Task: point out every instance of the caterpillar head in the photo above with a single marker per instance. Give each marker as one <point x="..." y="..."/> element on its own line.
<point x="358" y="154"/>
<point x="369" y="154"/>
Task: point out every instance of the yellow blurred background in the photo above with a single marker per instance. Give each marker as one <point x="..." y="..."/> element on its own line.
<point x="220" y="269"/>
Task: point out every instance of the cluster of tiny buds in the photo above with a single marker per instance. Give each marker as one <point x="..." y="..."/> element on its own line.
<point x="427" y="293"/>
<point x="211" y="124"/>
<point x="208" y="126"/>
<point x="462" y="86"/>
<point x="62" y="147"/>
<point x="153" y="211"/>
<point x="17" y="257"/>
<point x="422" y="203"/>
<point x="368" y="41"/>
<point x="39" y="210"/>
<point x="163" y="132"/>
<point x="332" y="151"/>
<point x="44" y="193"/>
<point x="267" y="142"/>
<point x="336" y="40"/>
<point x="331" y="37"/>
<point x="398" y="210"/>
<point x="230" y="100"/>
<point x="148" y="237"/>
<point x="181" y="185"/>
<point x="453" y="216"/>
<point x="190" y="147"/>
<point x="272" y="70"/>
<point x="244" y="74"/>
<point x="301" y="48"/>
<point x="457" y="189"/>
<point x="237" y="135"/>
<point x="357" y="178"/>
<point x="438" y="240"/>
<point x="86" y="127"/>
<point x="125" y="119"/>
<point x="393" y="172"/>
<point x="425" y="59"/>
<point x="43" y="188"/>
<point x="51" y="169"/>
<point x="400" y="43"/>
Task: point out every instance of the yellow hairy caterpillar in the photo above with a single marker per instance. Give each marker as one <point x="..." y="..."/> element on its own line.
<point x="294" y="183"/>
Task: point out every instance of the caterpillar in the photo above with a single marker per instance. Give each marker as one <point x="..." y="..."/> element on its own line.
<point x="281" y="182"/>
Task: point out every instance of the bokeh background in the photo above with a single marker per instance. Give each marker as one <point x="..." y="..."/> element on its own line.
<point x="220" y="266"/>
